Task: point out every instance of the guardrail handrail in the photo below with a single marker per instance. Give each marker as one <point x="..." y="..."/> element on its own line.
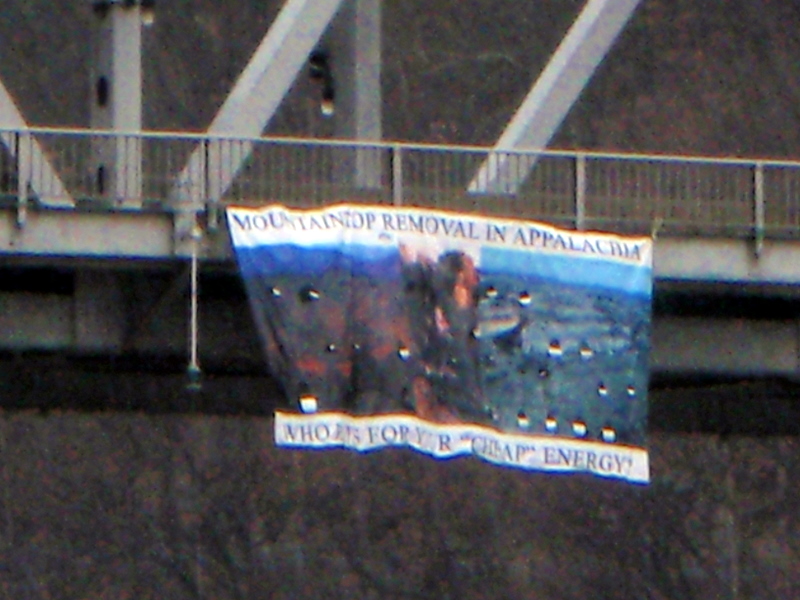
<point x="688" y="194"/>
<point x="406" y="145"/>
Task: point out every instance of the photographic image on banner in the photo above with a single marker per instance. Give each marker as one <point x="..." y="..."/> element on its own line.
<point x="452" y="333"/>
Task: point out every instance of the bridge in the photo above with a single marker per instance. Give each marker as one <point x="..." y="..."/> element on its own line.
<point x="118" y="287"/>
<point x="106" y="230"/>
<point x="90" y="270"/>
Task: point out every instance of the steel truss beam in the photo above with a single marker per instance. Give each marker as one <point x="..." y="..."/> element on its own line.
<point x="539" y="116"/>
<point x="34" y="172"/>
<point x="254" y="99"/>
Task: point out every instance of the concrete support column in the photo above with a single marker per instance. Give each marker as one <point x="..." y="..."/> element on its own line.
<point x="99" y="312"/>
<point x="31" y="321"/>
<point x="91" y="317"/>
<point x="116" y="102"/>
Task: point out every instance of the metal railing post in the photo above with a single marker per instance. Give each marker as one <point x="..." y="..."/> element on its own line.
<point x="397" y="175"/>
<point x="24" y="168"/>
<point x="211" y="204"/>
<point x="758" y="208"/>
<point x="580" y="191"/>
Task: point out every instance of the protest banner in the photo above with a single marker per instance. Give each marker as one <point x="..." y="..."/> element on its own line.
<point x="514" y="341"/>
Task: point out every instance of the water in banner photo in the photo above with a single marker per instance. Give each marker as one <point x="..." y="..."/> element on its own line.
<point x="520" y="343"/>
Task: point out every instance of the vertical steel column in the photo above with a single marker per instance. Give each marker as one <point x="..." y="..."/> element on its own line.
<point x="355" y="53"/>
<point x="117" y="102"/>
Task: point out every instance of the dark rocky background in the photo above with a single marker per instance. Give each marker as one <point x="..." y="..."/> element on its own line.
<point x="134" y="506"/>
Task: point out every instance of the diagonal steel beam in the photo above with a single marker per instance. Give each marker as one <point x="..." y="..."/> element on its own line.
<point x="34" y="170"/>
<point x="541" y="113"/>
<point x="254" y="99"/>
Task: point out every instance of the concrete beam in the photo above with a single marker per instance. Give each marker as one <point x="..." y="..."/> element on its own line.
<point x="255" y="97"/>
<point x="718" y="260"/>
<point x="94" y="318"/>
<point x="91" y="319"/>
<point x="552" y="96"/>
<point x="99" y="316"/>
<point x="35" y="321"/>
<point x="75" y="234"/>
<point x="133" y="235"/>
<point x="705" y="346"/>
<point x="35" y="175"/>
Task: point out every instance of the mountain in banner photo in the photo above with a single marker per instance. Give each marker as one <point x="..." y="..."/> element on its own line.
<point x="366" y="330"/>
<point x="564" y="343"/>
<point x="564" y="359"/>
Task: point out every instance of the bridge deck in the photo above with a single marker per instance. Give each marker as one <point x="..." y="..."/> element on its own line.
<point x="135" y="235"/>
<point x="732" y="220"/>
<point x="725" y="229"/>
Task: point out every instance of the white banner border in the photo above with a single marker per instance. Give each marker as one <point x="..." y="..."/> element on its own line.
<point x="527" y="452"/>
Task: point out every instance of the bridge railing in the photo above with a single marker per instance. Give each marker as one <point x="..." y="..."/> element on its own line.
<point x="622" y="192"/>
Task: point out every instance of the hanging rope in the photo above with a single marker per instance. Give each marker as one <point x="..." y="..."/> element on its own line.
<point x="193" y="370"/>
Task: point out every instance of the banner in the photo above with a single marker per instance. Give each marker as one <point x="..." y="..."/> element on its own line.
<point x="514" y="341"/>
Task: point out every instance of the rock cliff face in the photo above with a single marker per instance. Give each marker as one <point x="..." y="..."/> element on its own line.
<point x="185" y="507"/>
<point x="714" y="78"/>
